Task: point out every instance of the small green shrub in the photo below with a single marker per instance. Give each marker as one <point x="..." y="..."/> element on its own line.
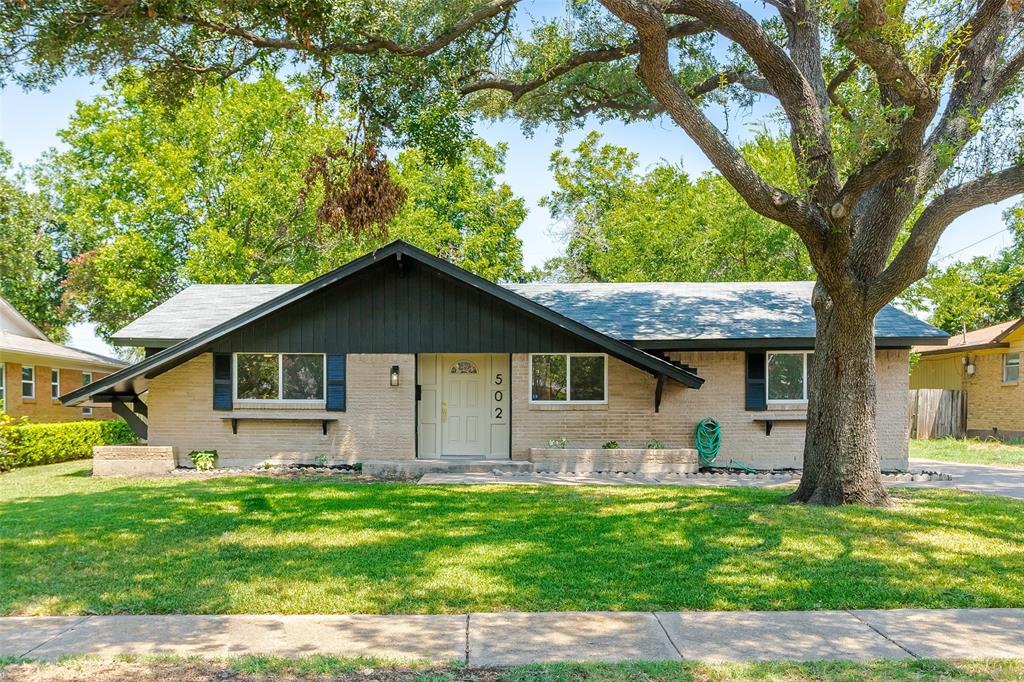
<point x="320" y="460"/>
<point x="611" y="445"/>
<point x="560" y="443"/>
<point x="25" y="444"/>
<point x="203" y="460"/>
<point x="654" y="444"/>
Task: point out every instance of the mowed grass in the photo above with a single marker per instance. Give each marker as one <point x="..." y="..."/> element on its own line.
<point x="73" y="544"/>
<point x="969" y="451"/>
<point x="355" y="670"/>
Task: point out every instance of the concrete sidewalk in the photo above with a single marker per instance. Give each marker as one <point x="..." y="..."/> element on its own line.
<point x="497" y="639"/>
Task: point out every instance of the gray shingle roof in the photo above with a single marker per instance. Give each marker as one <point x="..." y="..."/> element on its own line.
<point x="196" y="309"/>
<point x="669" y="311"/>
<point x="656" y="311"/>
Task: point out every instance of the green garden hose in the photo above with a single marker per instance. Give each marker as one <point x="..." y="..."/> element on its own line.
<point x="708" y="438"/>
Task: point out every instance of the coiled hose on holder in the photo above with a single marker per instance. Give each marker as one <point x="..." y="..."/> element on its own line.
<point x="708" y="438"/>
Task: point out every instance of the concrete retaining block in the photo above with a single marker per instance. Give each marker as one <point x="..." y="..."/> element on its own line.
<point x="132" y="460"/>
<point x="618" y="460"/>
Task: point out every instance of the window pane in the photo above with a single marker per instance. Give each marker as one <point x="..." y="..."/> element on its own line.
<point x="1011" y="368"/>
<point x="785" y="376"/>
<point x="548" y="377"/>
<point x="463" y="367"/>
<point x="303" y="377"/>
<point x="86" y="378"/>
<point x="257" y="376"/>
<point x="587" y="377"/>
<point x="28" y="388"/>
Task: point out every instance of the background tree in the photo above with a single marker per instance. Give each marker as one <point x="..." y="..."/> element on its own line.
<point x="977" y="293"/>
<point x="900" y="115"/>
<point x="157" y="197"/>
<point x="32" y="259"/>
<point x="660" y="225"/>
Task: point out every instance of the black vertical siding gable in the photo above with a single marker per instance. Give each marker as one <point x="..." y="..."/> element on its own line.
<point x="375" y="311"/>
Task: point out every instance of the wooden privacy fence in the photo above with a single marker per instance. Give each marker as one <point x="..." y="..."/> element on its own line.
<point x="937" y="412"/>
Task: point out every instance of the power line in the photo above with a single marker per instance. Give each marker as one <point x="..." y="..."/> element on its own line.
<point x="983" y="239"/>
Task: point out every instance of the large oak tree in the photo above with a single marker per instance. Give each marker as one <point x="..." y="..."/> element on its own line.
<point x="899" y="114"/>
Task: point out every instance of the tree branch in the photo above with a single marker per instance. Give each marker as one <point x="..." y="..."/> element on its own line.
<point x="800" y="100"/>
<point x="911" y="263"/>
<point x="371" y="45"/>
<point x="656" y="74"/>
<point x="595" y="56"/>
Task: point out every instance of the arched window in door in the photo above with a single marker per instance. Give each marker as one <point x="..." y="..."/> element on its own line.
<point x="463" y="367"/>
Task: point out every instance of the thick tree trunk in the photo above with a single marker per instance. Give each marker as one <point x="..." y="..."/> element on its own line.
<point x="841" y="464"/>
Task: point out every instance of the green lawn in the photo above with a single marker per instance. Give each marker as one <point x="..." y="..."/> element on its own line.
<point x="355" y="670"/>
<point x="971" y="451"/>
<point x="73" y="544"/>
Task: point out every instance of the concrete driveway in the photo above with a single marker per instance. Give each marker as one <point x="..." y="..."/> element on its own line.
<point x="974" y="478"/>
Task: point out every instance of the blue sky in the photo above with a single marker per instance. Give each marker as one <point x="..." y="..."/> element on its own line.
<point x="29" y="122"/>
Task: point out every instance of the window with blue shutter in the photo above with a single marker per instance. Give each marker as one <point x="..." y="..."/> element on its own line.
<point x="222" y="381"/>
<point x="756" y="396"/>
<point x="336" y="383"/>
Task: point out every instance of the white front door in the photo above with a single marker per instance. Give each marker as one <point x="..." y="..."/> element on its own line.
<point x="463" y="405"/>
<point x="464" y="410"/>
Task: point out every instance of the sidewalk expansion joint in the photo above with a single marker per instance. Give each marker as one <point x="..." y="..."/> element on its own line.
<point x="668" y="636"/>
<point x="467" y="640"/>
<point x="62" y="632"/>
<point x="882" y="634"/>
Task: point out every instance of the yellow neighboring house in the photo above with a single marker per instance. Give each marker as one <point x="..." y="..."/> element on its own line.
<point x="35" y="372"/>
<point x="986" y="363"/>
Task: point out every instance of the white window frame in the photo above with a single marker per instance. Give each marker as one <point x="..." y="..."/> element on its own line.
<point x="280" y="382"/>
<point x="3" y="384"/>
<point x="32" y="382"/>
<point x="767" y="382"/>
<point x="568" y="380"/>
<point x="55" y="385"/>
<point x="1006" y="365"/>
<point x="86" y="411"/>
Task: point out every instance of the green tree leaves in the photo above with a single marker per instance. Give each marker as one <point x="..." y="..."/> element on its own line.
<point x="32" y="266"/>
<point x="158" y="196"/>
<point x="662" y="225"/>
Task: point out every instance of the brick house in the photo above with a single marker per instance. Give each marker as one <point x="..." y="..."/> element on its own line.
<point x="400" y="355"/>
<point x="986" y="364"/>
<point x="35" y="372"/>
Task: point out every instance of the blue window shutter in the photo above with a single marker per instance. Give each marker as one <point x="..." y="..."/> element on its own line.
<point x="756" y="376"/>
<point x="336" y="383"/>
<point x="222" y="381"/>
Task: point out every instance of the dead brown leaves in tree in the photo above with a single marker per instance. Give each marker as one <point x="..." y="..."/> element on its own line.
<point x="359" y="193"/>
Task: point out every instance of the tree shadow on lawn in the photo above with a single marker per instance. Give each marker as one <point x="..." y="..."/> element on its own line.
<point x="256" y="545"/>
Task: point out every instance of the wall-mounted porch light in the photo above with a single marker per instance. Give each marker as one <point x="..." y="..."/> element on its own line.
<point x="394" y="375"/>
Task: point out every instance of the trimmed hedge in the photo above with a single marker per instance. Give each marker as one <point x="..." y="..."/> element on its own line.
<point x="23" y="444"/>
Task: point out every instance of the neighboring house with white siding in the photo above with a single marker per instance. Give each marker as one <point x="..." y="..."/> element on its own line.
<point x="400" y="355"/>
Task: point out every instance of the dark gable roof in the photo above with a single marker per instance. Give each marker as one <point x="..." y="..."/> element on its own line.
<point x="122" y="382"/>
<point x="710" y="314"/>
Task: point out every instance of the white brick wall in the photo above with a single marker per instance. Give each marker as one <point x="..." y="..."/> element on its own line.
<point x="379" y="421"/>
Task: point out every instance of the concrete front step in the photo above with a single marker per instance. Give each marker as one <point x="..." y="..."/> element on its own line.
<point x="410" y="468"/>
